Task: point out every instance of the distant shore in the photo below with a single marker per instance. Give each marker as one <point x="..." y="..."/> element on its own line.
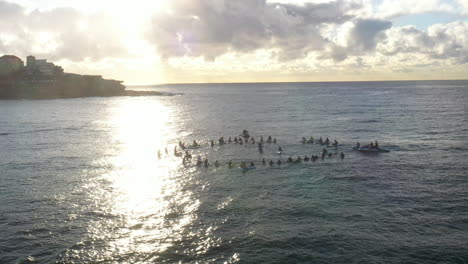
<point x="145" y="93"/>
<point x="129" y="93"/>
<point x="39" y="79"/>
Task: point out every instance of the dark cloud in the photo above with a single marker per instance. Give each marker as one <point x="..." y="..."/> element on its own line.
<point x="9" y="11"/>
<point x="72" y="42"/>
<point x="210" y="28"/>
<point x="337" y="53"/>
<point x="367" y="33"/>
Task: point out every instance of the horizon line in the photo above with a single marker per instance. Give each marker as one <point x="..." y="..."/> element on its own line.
<point x="194" y="83"/>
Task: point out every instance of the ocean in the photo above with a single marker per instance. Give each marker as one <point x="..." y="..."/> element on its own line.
<point x="81" y="181"/>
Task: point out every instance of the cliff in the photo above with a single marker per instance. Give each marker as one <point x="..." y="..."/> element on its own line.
<point x="40" y="79"/>
<point x="68" y="86"/>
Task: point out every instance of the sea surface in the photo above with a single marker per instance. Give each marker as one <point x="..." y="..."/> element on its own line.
<point x="81" y="182"/>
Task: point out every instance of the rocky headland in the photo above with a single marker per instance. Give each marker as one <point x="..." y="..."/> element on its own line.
<point x="39" y="79"/>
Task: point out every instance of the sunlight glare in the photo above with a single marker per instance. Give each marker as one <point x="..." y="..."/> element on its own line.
<point x="141" y="129"/>
<point x="149" y="195"/>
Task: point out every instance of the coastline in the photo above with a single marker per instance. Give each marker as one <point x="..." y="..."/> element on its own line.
<point x="146" y="93"/>
<point x="39" y="79"/>
<point x="125" y="93"/>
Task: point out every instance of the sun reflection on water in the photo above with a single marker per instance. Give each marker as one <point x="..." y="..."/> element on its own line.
<point x="147" y="192"/>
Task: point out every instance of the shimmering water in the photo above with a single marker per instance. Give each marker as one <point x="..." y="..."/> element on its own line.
<point x="80" y="181"/>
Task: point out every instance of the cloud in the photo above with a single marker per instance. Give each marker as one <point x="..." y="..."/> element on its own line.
<point x="439" y="42"/>
<point x="367" y="33"/>
<point x="464" y="6"/>
<point x="235" y="36"/>
<point x="60" y="33"/>
<point x="394" y="8"/>
<point x="326" y="31"/>
<point x="9" y="10"/>
<point x="210" y="28"/>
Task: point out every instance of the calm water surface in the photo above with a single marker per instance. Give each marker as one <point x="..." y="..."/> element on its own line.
<point x="80" y="181"/>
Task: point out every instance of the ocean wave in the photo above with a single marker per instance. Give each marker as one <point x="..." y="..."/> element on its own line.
<point x="456" y="148"/>
<point x="42" y="130"/>
<point x="368" y="121"/>
<point x="361" y="130"/>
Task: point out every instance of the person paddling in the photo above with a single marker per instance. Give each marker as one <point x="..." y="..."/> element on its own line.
<point x="177" y="154"/>
<point x="181" y="145"/>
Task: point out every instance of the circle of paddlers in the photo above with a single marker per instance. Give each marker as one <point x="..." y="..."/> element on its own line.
<point x="183" y="151"/>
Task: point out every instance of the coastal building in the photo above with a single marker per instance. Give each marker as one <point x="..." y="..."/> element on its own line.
<point x="39" y="67"/>
<point x="41" y="79"/>
<point x="30" y="61"/>
<point x="10" y="65"/>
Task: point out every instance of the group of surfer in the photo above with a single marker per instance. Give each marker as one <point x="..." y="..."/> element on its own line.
<point x="240" y="141"/>
<point x="251" y="164"/>
<point x="194" y="145"/>
<point x="320" y="141"/>
<point x="206" y="164"/>
<point x="371" y="145"/>
<point x="245" y="137"/>
<point x="186" y="156"/>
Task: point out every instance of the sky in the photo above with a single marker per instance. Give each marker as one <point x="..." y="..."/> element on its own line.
<point x="192" y="41"/>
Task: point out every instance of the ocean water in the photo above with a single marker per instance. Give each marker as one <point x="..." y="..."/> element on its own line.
<point x="80" y="181"/>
